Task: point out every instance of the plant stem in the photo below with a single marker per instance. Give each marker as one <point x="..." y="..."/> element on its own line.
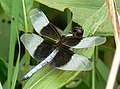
<point x="94" y="67"/>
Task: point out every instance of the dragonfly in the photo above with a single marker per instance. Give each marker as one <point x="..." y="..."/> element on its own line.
<point x="50" y="46"/>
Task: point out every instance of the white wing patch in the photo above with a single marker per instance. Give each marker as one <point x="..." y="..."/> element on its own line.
<point x="90" y="42"/>
<point x="31" y="42"/>
<point x="77" y="62"/>
<point x="38" y="19"/>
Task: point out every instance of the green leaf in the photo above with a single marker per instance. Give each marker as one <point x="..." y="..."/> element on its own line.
<point x="103" y="70"/>
<point x="68" y="28"/>
<point x="81" y="10"/>
<point x="4" y="37"/>
<point x="3" y="71"/>
<point x="100" y="82"/>
<point x="14" y="24"/>
<point x="105" y="28"/>
<point x="84" y="12"/>
<point x="92" y="24"/>
<point x="77" y="85"/>
<point x="16" y="69"/>
<point x="49" y="78"/>
<point x="102" y="73"/>
<point x="83" y="85"/>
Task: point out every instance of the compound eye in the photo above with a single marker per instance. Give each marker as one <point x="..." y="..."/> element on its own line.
<point x="78" y="30"/>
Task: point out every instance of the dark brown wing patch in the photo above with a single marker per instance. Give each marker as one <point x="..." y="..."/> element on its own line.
<point x="43" y="50"/>
<point x="51" y="31"/>
<point x="62" y="57"/>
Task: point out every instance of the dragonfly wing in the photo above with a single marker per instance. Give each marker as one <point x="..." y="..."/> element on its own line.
<point x="67" y="60"/>
<point x="36" y="46"/>
<point x="31" y="42"/>
<point x="62" y="57"/>
<point x="38" y="19"/>
<point x="77" y="62"/>
<point x="43" y="26"/>
<point x="90" y="42"/>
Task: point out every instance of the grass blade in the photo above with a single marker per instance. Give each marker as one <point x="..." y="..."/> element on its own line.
<point x="16" y="70"/>
<point x="15" y="13"/>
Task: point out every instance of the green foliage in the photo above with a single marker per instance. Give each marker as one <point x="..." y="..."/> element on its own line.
<point x="85" y="13"/>
<point x="3" y="70"/>
<point x="4" y="39"/>
<point x="12" y="9"/>
<point x="92" y="15"/>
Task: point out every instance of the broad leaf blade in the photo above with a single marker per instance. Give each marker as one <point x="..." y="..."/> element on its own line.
<point x="92" y="24"/>
<point x="102" y="73"/>
<point x="103" y="70"/>
<point x="49" y="78"/>
<point x="82" y="11"/>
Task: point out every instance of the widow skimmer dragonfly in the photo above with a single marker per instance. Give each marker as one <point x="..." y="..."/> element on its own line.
<point x="51" y="46"/>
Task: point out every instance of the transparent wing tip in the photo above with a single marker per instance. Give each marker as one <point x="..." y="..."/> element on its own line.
<point x="88" y="67"/>
<point x="34" y="11"/>
<point x="100" y="40"/>
<point x="104" y="40"/>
